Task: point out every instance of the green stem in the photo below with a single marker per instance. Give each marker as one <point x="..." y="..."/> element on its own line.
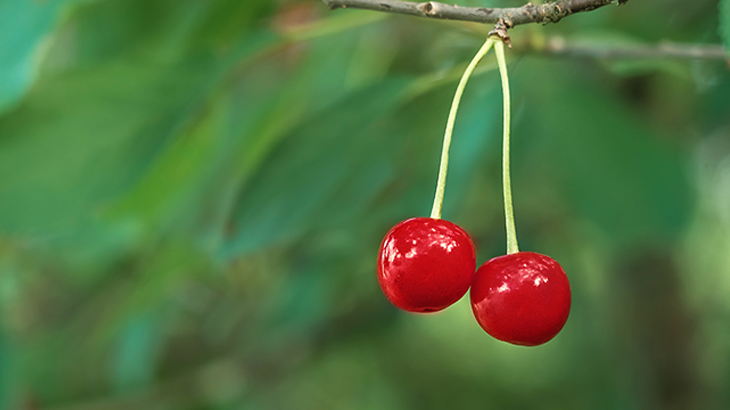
<point x="438" y="200"/>
<point x="509" y="214"/>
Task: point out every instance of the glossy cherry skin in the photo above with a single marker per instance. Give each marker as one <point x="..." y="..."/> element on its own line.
<point x="425" y="264"/>
<point x="522" y="298"/>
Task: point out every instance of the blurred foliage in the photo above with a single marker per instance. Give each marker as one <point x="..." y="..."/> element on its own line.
<point x="192" y="194"/>
<point x="724" y="16"/>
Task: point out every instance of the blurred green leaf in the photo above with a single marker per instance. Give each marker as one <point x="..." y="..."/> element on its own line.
<point x="94" y="139"/>
<point x="477" y="128"/>
<point x="620" y="175"/>
<point x="724" y="16"/>
<point x="26" y="27"/>
<point x="8" y="371"/>
<point x="291" y="192"/>
<point x="66" y="156"/>
<point x="138" y="353"/>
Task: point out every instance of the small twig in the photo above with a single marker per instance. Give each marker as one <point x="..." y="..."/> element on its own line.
<point x="559" y="46"/>
<point x="550" y="12"/>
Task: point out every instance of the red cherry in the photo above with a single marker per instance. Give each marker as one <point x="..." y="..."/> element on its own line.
<point x="522" y="298"/>
<point x="425" y="264"/>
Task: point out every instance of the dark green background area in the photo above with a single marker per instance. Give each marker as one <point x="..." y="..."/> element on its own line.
<point x="192" y="195"/>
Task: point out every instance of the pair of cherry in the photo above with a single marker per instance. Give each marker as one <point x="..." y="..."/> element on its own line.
<point x="427" y="264"/>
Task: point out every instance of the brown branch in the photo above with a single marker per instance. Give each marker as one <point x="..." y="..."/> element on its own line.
<point x="550" y="12"/>
<point x="559" y="46"/>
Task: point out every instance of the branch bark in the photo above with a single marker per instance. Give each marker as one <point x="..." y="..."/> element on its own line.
<point x="550" y="12"/>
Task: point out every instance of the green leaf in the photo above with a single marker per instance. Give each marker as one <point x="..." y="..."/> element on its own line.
<point x="724" y="16"/>
<point x="166" y="30"/>
<point x="325" y="173"/>
<point x="620" y="174"/>
<point x="80" y="142"/>
<point x="476" y="129"/>
<point x="26" y="28"/>
<point x="321" y="160"/>
<point x="138" y="352"/>
<point x="83" y="139"/>
<point x="84" y="157"/>
<point x="8" y="371"/>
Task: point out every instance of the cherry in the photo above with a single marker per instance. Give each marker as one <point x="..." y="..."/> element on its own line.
<point x="522" y="298"/>
<point x="425" y="264"/>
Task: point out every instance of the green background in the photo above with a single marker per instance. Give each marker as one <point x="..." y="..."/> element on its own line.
<point x="192" y="194"/>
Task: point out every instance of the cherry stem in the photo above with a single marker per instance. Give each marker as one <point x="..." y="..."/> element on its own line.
<point x="509" y="213"/>
<point x="438" y="200"/>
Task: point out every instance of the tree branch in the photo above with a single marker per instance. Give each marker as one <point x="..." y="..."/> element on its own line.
<point x="559" y="46"/>
<point x="550" y="12"/>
